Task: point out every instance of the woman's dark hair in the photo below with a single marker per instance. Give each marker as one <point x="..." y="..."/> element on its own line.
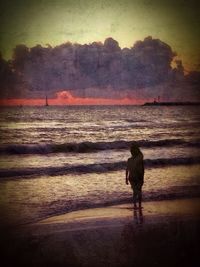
<point x="135" y="150"/>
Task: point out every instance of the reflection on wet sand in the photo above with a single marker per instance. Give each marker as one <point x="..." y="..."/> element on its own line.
<point x="138" y="216"/>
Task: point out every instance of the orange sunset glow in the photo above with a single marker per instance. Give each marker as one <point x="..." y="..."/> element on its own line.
<point x="66" y="98"/>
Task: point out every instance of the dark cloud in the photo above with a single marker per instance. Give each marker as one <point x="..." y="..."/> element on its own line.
<point x="11" y="84"/>
<point x="143" y="69"/>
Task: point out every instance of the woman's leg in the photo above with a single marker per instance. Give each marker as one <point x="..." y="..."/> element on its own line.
<point x="140" y="195"/>
<point x="134" y="195"/>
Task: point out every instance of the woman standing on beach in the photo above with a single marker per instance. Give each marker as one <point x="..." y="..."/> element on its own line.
<point x="135" y="173"/>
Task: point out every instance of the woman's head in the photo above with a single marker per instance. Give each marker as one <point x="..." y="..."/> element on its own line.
<point x="134" y="149"/>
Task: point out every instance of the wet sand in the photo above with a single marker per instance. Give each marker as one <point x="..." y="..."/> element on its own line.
<point x="163" y="233"/>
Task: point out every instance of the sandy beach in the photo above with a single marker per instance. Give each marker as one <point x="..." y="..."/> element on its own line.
<point x="163" y="233"/>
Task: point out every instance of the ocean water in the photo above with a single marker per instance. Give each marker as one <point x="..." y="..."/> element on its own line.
<point x="58" y="159"/>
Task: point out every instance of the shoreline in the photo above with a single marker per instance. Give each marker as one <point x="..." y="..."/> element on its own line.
<point x="152" y="212"/>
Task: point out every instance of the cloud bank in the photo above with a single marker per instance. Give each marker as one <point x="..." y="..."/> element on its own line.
<point x="98" y="70"/>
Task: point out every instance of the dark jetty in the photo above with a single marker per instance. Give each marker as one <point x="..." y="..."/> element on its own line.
<point x="155" y="103"/>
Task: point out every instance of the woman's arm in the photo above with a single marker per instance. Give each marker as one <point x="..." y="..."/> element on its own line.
<point x="127" y="174"/>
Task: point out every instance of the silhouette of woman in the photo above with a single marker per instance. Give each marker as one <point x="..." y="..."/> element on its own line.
<point x="135" y="173"/>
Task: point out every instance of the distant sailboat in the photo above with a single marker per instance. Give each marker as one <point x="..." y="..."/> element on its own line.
<point x="46" y="104"/>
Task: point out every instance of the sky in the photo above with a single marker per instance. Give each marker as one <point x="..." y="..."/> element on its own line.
<point x="50" y="24"/>
<point x="65" y="98"/>
<point x="54" y="22"/>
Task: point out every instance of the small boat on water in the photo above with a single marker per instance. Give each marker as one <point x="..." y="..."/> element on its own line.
<point x="46" y="103"/>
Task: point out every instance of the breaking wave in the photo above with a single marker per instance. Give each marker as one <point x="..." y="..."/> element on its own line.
<point x="95" y="168"/>
<point x="85" y="147"/>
